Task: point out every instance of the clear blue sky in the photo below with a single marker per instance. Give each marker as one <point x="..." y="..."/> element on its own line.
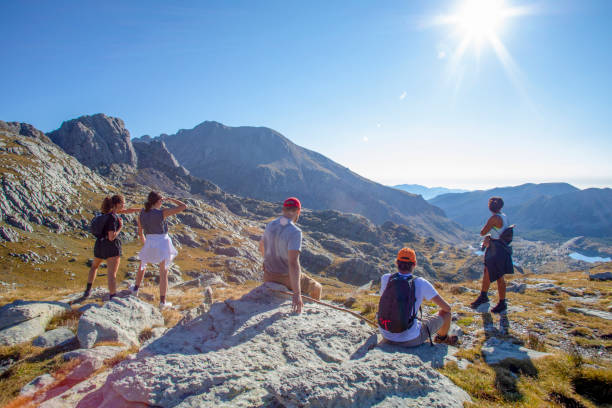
<point x="373" y="85"/>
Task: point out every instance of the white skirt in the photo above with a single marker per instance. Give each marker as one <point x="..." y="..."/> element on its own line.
<point x="157" y="248"/>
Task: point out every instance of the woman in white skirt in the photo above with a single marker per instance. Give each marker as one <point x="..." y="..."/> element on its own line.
<point x="158" y="248"/>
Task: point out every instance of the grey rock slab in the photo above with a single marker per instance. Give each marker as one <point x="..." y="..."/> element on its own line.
<point x="21" y="310"/>
<point x="495" y="350"/>
<point x="591" y="312"/>
<point x="23" y="332"/>
<point x="243" y="353"/>
<point x="120" y="319"/>
<point x="516" y="287"/>
<point x="98" y="353"/>
<point x="77" y="396"/>
<point x="603" y="276"/>
<point x="37" y="384"/>
<point x="56" y="337"/>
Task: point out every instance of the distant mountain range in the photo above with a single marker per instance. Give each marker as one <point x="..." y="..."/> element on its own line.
<point x="548" y="211"/>
<point x="261" y="163"/>
<point x="427" y="192"/>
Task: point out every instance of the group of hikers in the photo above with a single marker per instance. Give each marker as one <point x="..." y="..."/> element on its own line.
<point x="402" y="293"/>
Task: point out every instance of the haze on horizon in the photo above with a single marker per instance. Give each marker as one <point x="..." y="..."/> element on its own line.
<point x="454" y="93"/>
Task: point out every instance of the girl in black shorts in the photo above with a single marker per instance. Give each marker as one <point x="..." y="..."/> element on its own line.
<point x="108" y="245"/>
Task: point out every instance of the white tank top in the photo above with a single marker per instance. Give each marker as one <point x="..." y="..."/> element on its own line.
<point x="496" y="232"/>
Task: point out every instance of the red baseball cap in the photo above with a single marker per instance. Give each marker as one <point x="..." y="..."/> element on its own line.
<point x="292" y="202"/>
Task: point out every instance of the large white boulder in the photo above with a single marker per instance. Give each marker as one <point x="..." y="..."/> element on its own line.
<point x="121" y="320"/>
<point x="255" y="352"/>
<point x="21" y="321"/>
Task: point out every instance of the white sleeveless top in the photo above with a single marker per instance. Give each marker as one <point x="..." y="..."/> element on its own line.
<point x="496" y="232"/>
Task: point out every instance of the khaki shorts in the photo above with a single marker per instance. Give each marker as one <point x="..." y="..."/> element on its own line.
<point x="434" y="324"/>
<point x="307" y="284"/>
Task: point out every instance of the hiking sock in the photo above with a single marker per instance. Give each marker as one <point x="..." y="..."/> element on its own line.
<point x="88" y="288"/>
<point x="484" y="295"/>
<point x="135" y="288"/>
<point x="162" y="299"/>
<point x="111" y="296"/>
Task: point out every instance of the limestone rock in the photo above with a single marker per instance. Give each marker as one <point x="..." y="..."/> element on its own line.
<point x="36" y="384"/>
<point x="356" y="271"/>
<point x="591" y="312"/>
<point x="121" y="319"/>
<point x="516" y="287"/>
<point x="602" y="276"/>
<point x="23" y="332"/>
<point x="495" y="350"/>
<point x="97" y="141"/>
<point x="314" y="262"/>
<point x="56" y="337"/>
<point x="254" y="352"/>
<point x="21" y="311"/>
<point x="8" y="234"/>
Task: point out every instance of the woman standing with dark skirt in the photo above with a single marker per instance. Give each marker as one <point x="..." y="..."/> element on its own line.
<point x="497" y="257"/>
<point x="108" y="245"/>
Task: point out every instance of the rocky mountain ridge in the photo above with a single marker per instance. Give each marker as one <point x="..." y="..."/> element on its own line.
<point x="263" y="164"/>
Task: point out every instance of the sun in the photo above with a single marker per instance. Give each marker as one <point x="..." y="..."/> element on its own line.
<point x="476" y="23"/>
<point x="480" y="19"/>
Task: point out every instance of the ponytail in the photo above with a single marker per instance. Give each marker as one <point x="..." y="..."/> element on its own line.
<point x="152" y="199"/>
<point x="107" y="205"/>
<point x="109" y="202"/>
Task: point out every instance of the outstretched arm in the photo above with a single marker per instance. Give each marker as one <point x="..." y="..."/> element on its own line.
<point x="180" y="206"/>
<point x="140" y="232"/>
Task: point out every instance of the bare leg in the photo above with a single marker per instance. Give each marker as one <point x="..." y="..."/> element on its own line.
<point x="113" y="266"/>
<point x="501" y="288"/>
<point x="163" y="279"/>
<point x="94" y="270"/>
<point x="447" y="323"/>
<point x="316" y="291"/>
<point x="140" y="274"/>
<point x="486" y="282"/>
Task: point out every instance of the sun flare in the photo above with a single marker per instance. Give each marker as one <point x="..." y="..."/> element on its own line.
<point x="480" y="19"/>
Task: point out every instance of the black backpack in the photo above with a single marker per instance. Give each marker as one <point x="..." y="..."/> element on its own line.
<point x="508" y="235"/>
<point x="396" y="311"/>
<point x="97" y="225"/>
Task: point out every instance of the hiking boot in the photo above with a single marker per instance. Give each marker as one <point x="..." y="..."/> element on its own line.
<point x="165" y="305"/>
<point x="500" y="307"/>
<point x="450" y="340"/>
<point x="86" y="294"/>
<point x="482" y="299"/>
<point x="133" y="290"/>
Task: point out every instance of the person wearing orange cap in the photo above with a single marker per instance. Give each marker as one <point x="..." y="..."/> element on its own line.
<point x="280" y="246"/>
<point x="401" y="296"/>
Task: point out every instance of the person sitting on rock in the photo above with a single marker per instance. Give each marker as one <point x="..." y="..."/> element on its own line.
<point x="280" y="246"/>
<point x="497" y="257"/>
<point x="108" y="244"/>
<point x="401" y="296"/>
<point x="157" y="245"/>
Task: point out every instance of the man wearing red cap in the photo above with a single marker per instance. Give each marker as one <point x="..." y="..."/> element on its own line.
<point x="280" y="246"/>
<point x="401" y="296"/>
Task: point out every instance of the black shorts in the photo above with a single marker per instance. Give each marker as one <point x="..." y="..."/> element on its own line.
<point x="104" y="248"/>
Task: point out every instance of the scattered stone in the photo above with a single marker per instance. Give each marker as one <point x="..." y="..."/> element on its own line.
<point x="8" y="234"/>
<point x="545" y="287"/>
<point x="89" y="262"/>
<point x="121" y="320"/>
<point x="495" y="350"/>
<point x="53" y="338"/>
<point x="603" y="276"/>
<point x="516" y="287"/>
<point x="19" y="223"/>
<point x="37" y="384"/>
<point x="591" y="312"/>
<point x="72" y="260"/>
<point x="571" y="292"/>
<point x="133" y="259"/>
<point x="349" y="302"/>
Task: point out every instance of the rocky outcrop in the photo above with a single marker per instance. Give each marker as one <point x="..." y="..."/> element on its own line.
<point x="22" y="321"/>
<point x="100" y="142"/>
<point x="121" y="320"/>
<point x="53" y="338"/>
<point x="254" y="352"/>
<point x="23" y="129"/>
<point x="154" y="154"/>
<point x="40" y="184"/>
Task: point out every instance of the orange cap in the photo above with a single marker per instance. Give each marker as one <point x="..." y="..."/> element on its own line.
<point x="406" y="255"/>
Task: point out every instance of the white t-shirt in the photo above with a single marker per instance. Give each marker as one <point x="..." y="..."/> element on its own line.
<point x="422" y="290"/>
